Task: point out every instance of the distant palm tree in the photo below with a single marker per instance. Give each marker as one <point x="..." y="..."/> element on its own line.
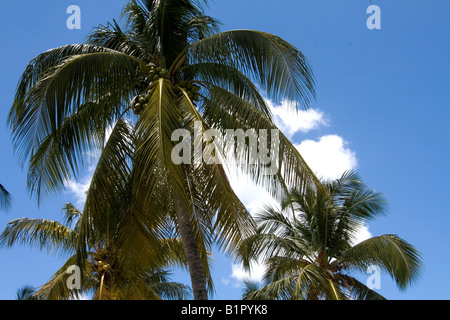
<point x="172" y="68"/>
<point x="118" y="257"/>
<point x="5" y="199"/>
<point x="105" y="276"/>
<point x="26" y="293"/>
<point x="310" y="255"/>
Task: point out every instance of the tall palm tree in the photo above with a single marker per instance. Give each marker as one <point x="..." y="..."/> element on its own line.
<point x="310" y="255"/>
<point x="5" y="198"/>
<point x="167" y="69"/>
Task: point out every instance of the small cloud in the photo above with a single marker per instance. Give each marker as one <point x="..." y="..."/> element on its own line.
<point x="362" y="234"/>
<point x="256" y="272"/>
<point x="225" y="281"/>
<point x="78" y="190"/>
<point x="291" y="121"/>
<point x="253" y="196"/>
<point x="329" y="157"/>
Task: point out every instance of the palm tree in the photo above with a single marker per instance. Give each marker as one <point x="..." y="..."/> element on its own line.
<point x="105" y="275"/>
<point x="310" y="255"/>
<point x="5" y="198"/>
<point x="118" y="256"/>
<point x="26" y="293"/>
<point x="167" y="69"/>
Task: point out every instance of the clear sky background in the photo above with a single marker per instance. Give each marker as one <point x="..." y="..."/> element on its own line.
<point x="382" y="108"/>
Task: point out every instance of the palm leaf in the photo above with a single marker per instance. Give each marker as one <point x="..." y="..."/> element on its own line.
<point x="391" y="253"/>
<point x="229" y="111"/>
<point x="64" y="88"/>
<point x="42" y="233"/>
<point x="275" y="64"/>
<point x="113" y="167"/>
<point x="5" y="198"/>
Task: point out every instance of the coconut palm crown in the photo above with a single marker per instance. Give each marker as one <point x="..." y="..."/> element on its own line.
<point x="312" y="254"/>
<point x="167" y="68"/>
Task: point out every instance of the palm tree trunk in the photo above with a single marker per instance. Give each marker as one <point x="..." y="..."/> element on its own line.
<point x="198" y="280"/>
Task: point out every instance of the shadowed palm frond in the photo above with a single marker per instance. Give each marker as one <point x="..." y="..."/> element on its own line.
<point x="5" y="198"/>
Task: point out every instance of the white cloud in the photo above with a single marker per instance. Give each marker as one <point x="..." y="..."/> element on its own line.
<point x="329" y="157"/>
<point x="253" y="196"/>
<point x="291" y="121"/>
<point x="78" y="190"/>
<point x="362" y="234"/>
<point x="255" y="274"/>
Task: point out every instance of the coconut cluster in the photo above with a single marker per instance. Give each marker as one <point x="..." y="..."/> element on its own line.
<point x="142" y="83"/>
<point x="140" y="102"/>
<point x="101" y="266"/>
<point x="157" y="72"/>
<point x="191" y="89"/>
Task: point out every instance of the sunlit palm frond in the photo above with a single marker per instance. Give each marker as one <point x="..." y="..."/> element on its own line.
<point x="41" y="233"/>
<point x="275" y="64"/>
<point x="391" y="253"/>
<point x="360" y="291"/>
<point x="63" y="88"/>
<point x="226" y="110"/>
<point x="231" y="79"/>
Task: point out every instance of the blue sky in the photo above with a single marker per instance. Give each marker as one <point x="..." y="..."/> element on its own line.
<point x="381" y="108"/>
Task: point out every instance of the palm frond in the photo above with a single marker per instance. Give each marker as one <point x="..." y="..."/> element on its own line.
<point x="5" y="198"/>
<point x="275" y="64"/>
<point x="113" y="168"/>
<point x="391" y="253"/>
<point x="113" y="37"/>
<point x="277" y="290"/>
<point x="360" y="291"/>
<point x="56" y="288"/>
<point x="79" y="79"/>
<point x="231" y="79"/>
<point x="160" y="283"/>
<point x="41" y="233"/>
<point x="287" y="167"/>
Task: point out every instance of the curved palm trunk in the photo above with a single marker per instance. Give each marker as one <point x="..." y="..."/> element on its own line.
<point x="198" y="280"/>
